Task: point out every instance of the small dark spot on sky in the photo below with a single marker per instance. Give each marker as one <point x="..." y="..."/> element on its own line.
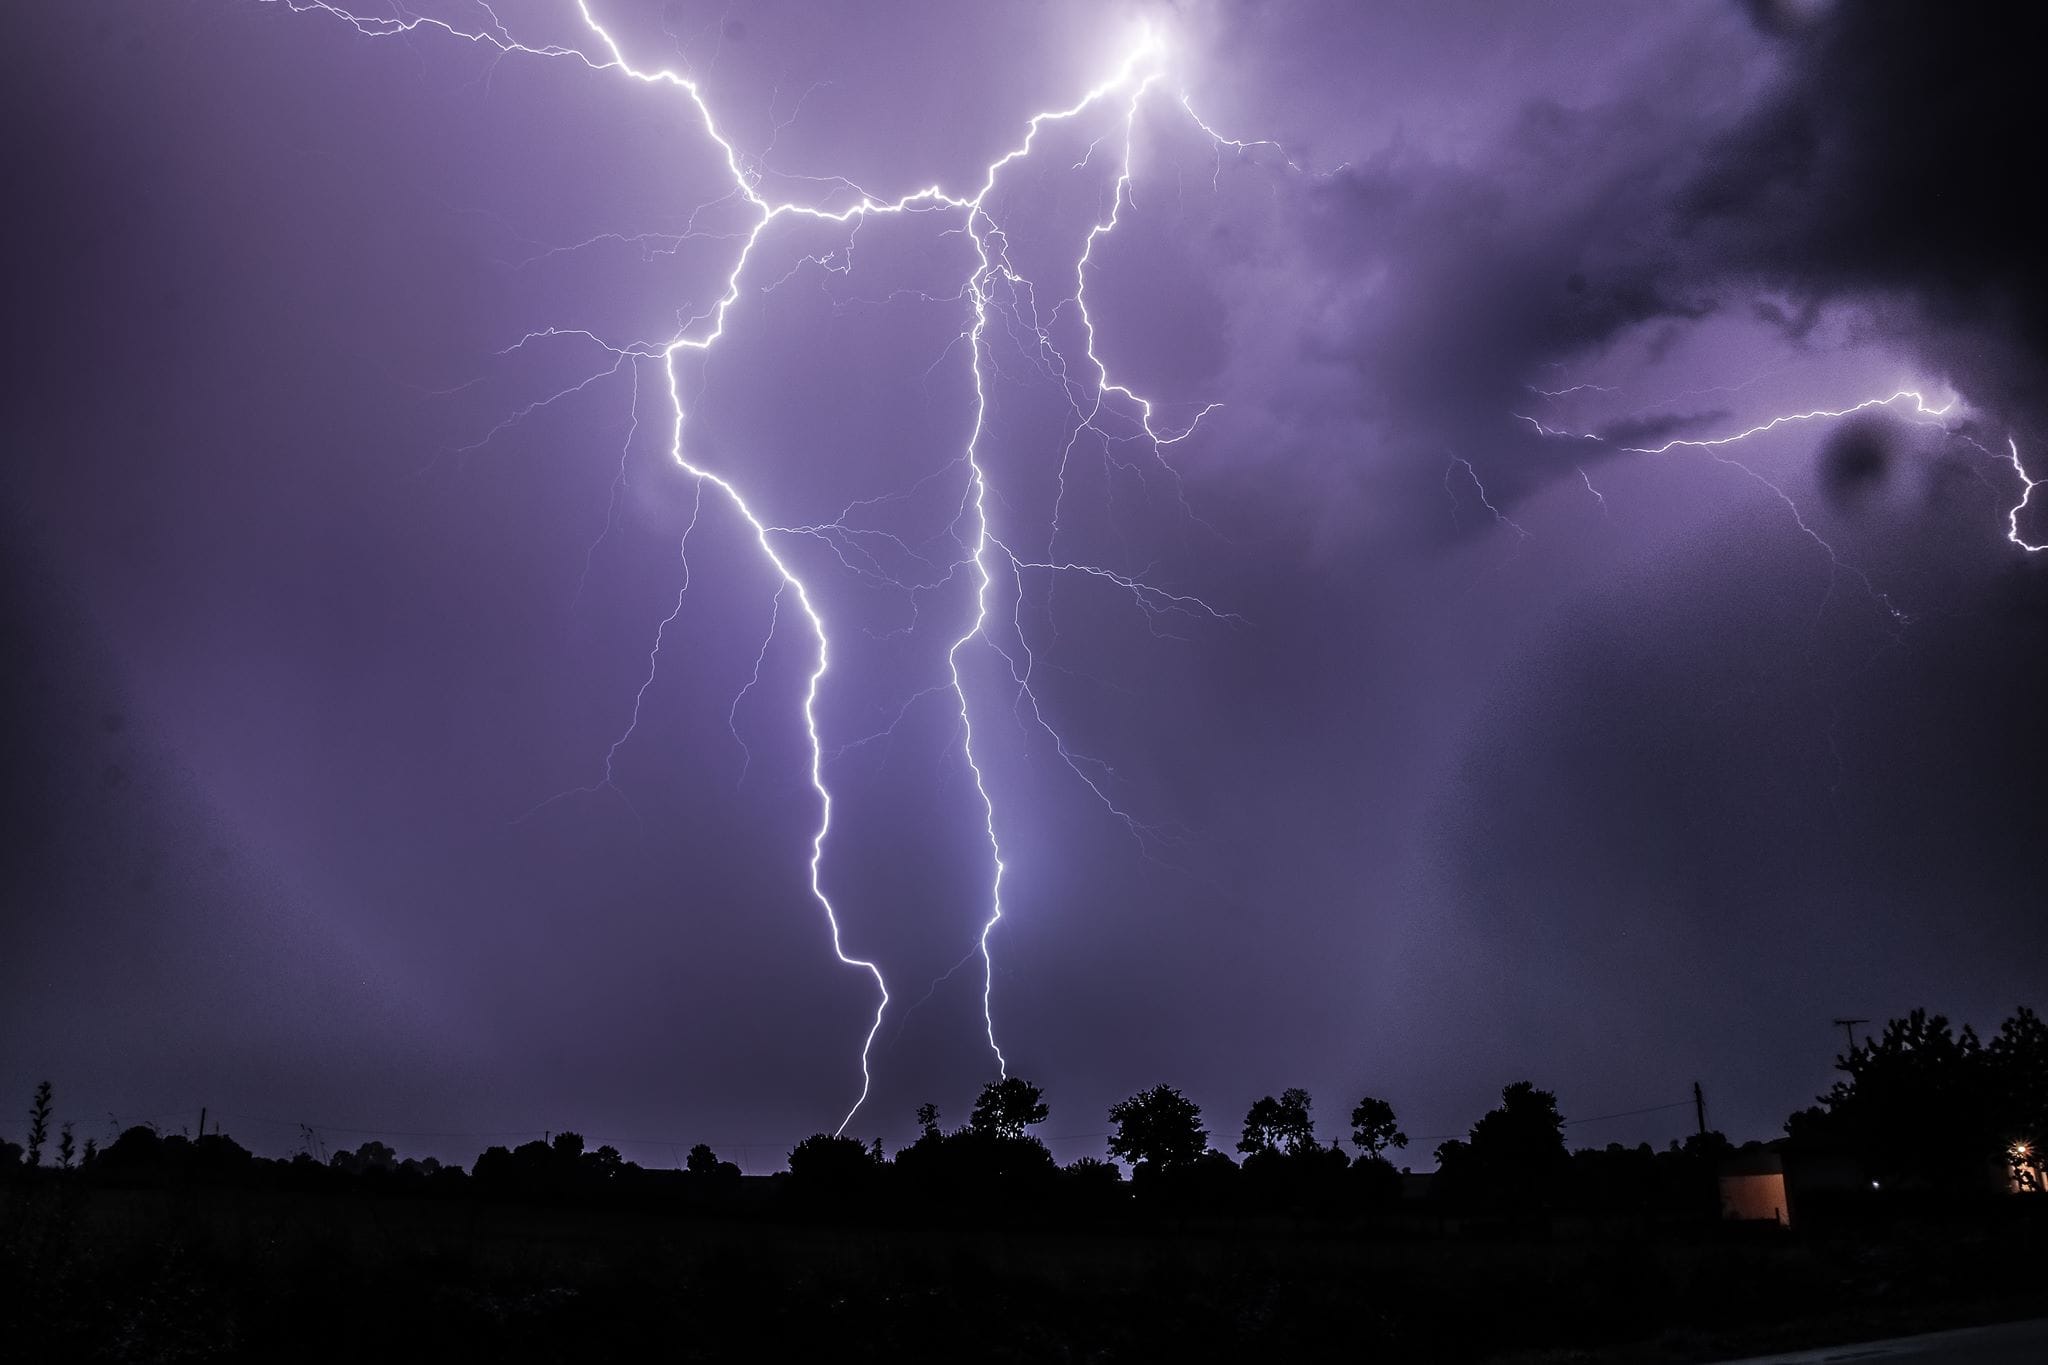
<point x="1855" y="460"/>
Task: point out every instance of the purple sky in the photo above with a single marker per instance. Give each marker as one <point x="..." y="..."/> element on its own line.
<point x="1510" y="750"/>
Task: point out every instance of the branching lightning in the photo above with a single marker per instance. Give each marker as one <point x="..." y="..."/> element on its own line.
<point x="1921" y="410"/>
<point x="1102" y="410"/>
<point x="995" y="567"/>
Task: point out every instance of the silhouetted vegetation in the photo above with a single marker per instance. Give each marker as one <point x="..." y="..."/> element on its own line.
<point x="1157" y="1130"/>
<point x="1283" y="1125"/>
<point x="165" y="1245"/>
<point x="1515" y="1159"/>
<point x="1374" y="1130"/>
<point x="1007" y="1107"/>
<point x="39" y="1124"/>
<point x="1923" y="1107"/>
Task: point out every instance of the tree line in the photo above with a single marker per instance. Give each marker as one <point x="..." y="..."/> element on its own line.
<point x="1919" y="1105"/>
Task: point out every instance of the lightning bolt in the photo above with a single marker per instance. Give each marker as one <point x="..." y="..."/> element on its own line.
<point x="978" y="551"/>
<point x="1715" y="447"/>
<point x="1102" y="410"/>
<point x="1472" y="475"/>
<point x="1921" y="407"/>
<point x="2028" y="484"/>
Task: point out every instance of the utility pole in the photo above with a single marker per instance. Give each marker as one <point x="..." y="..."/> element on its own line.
<point x="1699" y="1107"/>
<point x="1848" y="1027"/>
<point x="202" y="1120"/>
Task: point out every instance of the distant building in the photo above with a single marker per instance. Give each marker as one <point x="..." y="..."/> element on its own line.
<point x="1752" y="1185"/>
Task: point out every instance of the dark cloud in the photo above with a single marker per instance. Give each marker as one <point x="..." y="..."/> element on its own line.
<point x="1890" y="158"/>
<point x="1427" y="292"/>
<point x="1875" y="169"/>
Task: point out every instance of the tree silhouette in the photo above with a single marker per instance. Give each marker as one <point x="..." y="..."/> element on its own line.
<point x="1374" y="1130"/>
<point x="928" y="1119"/>
<point x="829" y="1164"/>
<point x="1006" y="1108"/>
<point x="1515" y="1157"/>
<point x="371" y="1156"/>
<point x="1918" y="1104"/>
<point x="1158" y="1129"/>
<point x="707" y="1176"/>
<point x="1526" y="1128"/>
<point x="1281" y="1125"/>
<point x="2017" y="1059"/>
<point x="39" y="1124"/>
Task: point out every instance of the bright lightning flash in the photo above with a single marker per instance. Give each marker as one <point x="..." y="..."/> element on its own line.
<point x="1716" y="448"/>
<point x="989" y="560"/>
<point x="991" y="286"/>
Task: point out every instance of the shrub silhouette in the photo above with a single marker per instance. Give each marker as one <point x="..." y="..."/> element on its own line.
<point x="829" y="1170"/>
<point x="708" y="1177"/>
<point x="974" y="1168"/>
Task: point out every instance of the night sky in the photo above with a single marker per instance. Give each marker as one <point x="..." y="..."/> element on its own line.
<point x="1456" y="739"/>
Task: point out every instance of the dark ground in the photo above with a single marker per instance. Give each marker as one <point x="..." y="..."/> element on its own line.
<point x="212" y="1274"/>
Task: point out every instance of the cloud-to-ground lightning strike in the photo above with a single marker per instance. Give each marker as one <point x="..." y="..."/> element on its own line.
<point x="981" y="553"/>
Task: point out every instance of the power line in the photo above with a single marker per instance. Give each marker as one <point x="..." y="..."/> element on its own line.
<point x="1629" y="1113"/>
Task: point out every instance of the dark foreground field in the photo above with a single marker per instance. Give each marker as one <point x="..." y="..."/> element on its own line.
<point x="211" y="1274"/>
